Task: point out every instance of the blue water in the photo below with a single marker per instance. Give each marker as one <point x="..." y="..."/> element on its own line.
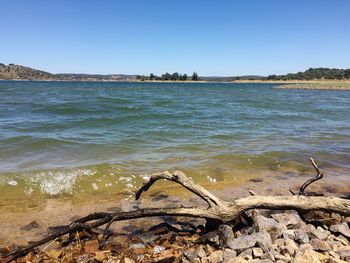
<point x="52" y="133"/>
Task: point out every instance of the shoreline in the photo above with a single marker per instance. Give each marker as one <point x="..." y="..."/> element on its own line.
<point x="286" y="233"/>
<point x="58" y="211"/>
<point x="323" y="82"/>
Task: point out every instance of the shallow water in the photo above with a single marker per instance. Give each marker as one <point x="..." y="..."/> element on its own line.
<point x="73" y="139"/>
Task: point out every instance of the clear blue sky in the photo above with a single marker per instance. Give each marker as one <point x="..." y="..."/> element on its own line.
<point x="210" y="37"/>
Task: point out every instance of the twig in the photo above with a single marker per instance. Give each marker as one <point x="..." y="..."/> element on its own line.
<point x="318" y="176"/>
<point x="251" y="192"/>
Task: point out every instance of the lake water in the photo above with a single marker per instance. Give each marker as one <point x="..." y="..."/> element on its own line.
<point x="71" y="139"/>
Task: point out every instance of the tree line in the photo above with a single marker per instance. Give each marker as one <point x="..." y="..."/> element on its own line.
<point x="314" y="73"/>
<point x="169" y="77"/>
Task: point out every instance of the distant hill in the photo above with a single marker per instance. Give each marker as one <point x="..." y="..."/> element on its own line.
<point x="13" y="71"/>
<point x="17" y="72"/>
<point x="315" y="74"/>
<point x="227" y="79"/>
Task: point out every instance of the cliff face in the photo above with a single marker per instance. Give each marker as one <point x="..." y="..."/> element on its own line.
<point x="13" y="71"/>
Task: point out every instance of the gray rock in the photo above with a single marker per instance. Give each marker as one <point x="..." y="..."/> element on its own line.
<point x="269" y="256"/>
<point x="212" y="238"/>
<point x="269" y="225"/>
<point x="280" y="242"/>
<point x="210" y="249"/>
<point x="319" y="245"/>
<point x="290" y="248"/>
<point x="244" y="242"/>
<point x="300" y="236"/>
<point x="229" y="253"/>
<point x="205" y="260"/>
<point x="310" y="256"/>
<point x="158" y="249"/>
<point x="342" y="240"/>
<point x="334" y="244"/>
<point x="347" y="219"/>
<point x="289" y="234"/>
<point x="333" y="254"/>
<point x="225" y="234"/>
<point x="342" y="228"/>
<point x="344" y="253"/>
<point x="277" y="256"/>
<point x="318" y="233"/>
<point x="216" y="257"/>
<point x="305" y="247"/>
<point x="261" y="261"/>
<point x="247" y="254"/>
<point x="284" y="258"/>
<point x="236" y="260"/>
<point x="257" y="252"/>
<point x="201" y="252"/>
<point x="289" y="220"/>
<point x="192" y="256"/>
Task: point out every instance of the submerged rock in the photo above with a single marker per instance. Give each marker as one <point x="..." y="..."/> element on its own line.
<point x="32" y="225"/>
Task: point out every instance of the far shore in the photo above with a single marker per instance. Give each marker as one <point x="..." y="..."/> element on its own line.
<point x="282" y="84"/>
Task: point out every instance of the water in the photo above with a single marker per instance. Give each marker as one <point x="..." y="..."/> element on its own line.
<point x="64" y="139"/>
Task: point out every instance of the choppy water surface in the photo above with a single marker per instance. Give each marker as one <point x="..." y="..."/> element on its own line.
<point x="77" y="138"/>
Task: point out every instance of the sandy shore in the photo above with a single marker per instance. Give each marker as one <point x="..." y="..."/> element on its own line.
<point x="305" y="84"/>
<point x="319" y="85"/>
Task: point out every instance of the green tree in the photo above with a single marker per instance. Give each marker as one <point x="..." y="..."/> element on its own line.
<point x="194" y="76"/>
<point x="151" y="76"/>
<point x="175" y="76"/>
<point x="184" y="77"/>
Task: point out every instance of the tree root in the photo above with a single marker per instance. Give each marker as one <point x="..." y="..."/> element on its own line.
<point x="218" y="210"/>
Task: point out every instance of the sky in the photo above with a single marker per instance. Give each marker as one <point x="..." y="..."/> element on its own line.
<point x="213" y="38"/>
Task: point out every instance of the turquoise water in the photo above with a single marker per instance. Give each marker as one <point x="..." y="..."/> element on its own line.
<point x="68" y="137"/>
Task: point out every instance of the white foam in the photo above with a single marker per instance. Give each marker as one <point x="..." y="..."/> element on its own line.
<point x="58" y="182"/>
<point x="211" y="179"/>
<point x="12" y="182"/>
<point x="94" y="185"/>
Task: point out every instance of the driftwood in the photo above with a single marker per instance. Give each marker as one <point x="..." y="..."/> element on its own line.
<point x="218" y="210"/>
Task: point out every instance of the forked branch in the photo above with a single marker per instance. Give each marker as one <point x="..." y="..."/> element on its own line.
<point x="182" y="179"/>
<point x="318" y="176"/>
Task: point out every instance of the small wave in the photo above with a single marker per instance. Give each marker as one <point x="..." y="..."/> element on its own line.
<point x="58" y="182"/>
<point x="47" y="182"/>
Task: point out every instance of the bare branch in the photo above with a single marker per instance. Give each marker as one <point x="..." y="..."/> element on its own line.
<point x="180" y="178"/>
<point x="318" y="176"/>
